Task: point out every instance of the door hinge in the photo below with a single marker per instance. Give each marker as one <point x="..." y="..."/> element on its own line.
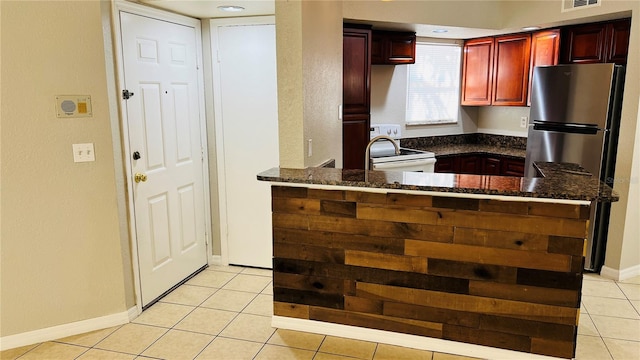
<point x="126" y="94"/>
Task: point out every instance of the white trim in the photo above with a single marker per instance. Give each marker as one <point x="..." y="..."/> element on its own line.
<point x="129" y="7"/>
<point x="620" y="275"/>
<point x="70" y="329"/>
<point x="398" y="339"/>
<point x="434" y="193"/>
<point x="216" y="260"/>
<point x="214" y="24"/>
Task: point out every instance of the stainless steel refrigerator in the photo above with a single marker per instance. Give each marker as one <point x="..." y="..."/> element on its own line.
<point x="575" y="118"/>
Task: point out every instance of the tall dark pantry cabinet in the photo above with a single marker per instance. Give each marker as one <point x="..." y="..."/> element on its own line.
<point x="356" y="86"/>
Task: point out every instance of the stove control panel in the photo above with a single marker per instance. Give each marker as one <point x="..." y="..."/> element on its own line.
<point x="392" y="130"/>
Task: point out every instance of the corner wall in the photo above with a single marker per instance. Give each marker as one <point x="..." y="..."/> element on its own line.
<point x="61" y="259"/>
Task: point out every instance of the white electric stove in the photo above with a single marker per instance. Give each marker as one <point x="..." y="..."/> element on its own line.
<point x="383" y="153"/>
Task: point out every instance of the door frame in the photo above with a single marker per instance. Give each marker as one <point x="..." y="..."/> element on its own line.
<point x="212" y="25"/>
<point x="141" y="10"/>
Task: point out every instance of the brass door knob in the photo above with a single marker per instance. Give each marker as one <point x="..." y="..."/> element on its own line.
<point x="140" y="177"/>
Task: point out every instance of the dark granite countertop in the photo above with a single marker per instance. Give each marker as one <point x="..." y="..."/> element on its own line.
<point x="470" y="144"/>
<point x="476" y="149"/>
<point x="560" y="181"/>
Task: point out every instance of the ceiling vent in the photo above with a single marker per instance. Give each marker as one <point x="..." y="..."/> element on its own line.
<point x="568" y="5"/>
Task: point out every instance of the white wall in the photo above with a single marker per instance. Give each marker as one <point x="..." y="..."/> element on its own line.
<point x="388" y="105"/>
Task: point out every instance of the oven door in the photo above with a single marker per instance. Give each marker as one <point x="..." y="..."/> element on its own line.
<point x="417" y="165"/>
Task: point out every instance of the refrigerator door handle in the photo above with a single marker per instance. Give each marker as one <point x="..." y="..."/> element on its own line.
<point x="567" y="129"/>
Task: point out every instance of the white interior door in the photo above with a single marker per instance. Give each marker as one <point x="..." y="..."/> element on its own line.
<point x="163" y="118"/>
<point x="247" y="115"/>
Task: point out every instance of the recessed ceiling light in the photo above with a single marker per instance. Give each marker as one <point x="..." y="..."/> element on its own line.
<point x="531" y="28"/>
<point x="439" y="31"/>
<point x="231" y="8"/>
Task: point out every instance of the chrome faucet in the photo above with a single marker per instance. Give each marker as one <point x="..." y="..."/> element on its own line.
<point x="367" y="157"/>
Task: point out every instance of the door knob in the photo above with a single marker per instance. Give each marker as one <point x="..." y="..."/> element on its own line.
<point x="139" y="177"/>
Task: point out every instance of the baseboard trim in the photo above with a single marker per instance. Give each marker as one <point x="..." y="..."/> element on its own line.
<point x="70" y="329"/>
<point x="620" y="275"/>
<point x="398" y="339"/>
<point x="216" y="260"/>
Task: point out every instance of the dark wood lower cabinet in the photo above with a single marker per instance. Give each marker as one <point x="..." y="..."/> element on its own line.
<point x="480" y="165"/>
<point x="355" y="136"/>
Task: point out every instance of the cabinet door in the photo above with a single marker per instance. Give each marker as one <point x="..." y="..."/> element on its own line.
<point x="356" y="71"/>
<point x="490" y="166"/>
<point x="470" y="164"/>
<point x="584" y="44"/>
<point x="545" y="50"/>
<point x="511" y="69"/>
<point x="477" y="72"/>
<point x="446" y="165"/>
<point x="512" y="167"/>
<point x="355" y="137"/>
<point x="618" y="41"/>
<point x="402" y="48"/>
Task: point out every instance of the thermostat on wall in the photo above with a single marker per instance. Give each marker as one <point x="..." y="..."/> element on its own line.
<point x="71" y="106"/>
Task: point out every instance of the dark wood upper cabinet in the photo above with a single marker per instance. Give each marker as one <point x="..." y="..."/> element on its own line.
<point x="495" y="70"/>
<point x="545" y="50"/>
<point x="477" y="71"/>
<point x="511" y="69"/>
<point x="356" y="71"/>
<point x="356" y="90"/>
<point x="596" y="42"/>
<point x="393" y="47"/>
<point x="618" y="41"/>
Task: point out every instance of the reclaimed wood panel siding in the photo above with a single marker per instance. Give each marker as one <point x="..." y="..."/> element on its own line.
<point x="497" y="273"/>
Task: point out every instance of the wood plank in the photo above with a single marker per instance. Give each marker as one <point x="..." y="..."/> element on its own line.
<point x="308" y="283"/>
<point x="295" y="206"/>
<point x="550" y="347"/>
<point x="373" y="321"/>
<point x="550" y="279"/>
<point x="326" y="194"/>
<point x="487" y="338"/>
<point x="366" y="197"/>
<point x="397" y="213"/>
<point x="501" y="239"/>
<point x="533" y="294"/>
<point x="335" y="301"/>
<point x="288" y="192"/>
<point x="558" y="210"/>
<point x="567" y="245"/>
<point x="290" y="310"/>
<point x="475" y="271"/>
<point x="356" y="304"/>
<point x="308" y="252"/>
<point x="511" y="222"/>
<point x="409" y="200"/>
<point x="493" y="256"/>
<point x="529" y="328"/>
<point x="370" y="275"/>
<point x="509" y="207"/>
<point x="381" y="228"/>
<point x="468" y="303"/>
<point x="290" y="221"/>
<point x="339" y="241"/>
<point x="428" y="313"/>
<point x="455" y="203"/>
<point x="386" y="261"/>
<point x="338" y="208"/>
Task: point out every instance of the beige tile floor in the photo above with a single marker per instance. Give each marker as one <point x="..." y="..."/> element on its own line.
<point x="224" y="313"/>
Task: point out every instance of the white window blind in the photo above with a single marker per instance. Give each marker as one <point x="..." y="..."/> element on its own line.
<point x="433" y="86"/>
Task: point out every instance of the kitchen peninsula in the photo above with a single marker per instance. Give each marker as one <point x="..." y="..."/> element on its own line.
<point x="448" y="258"/>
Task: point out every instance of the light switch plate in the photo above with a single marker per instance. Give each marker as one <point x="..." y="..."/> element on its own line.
<point x="83" y="152"/>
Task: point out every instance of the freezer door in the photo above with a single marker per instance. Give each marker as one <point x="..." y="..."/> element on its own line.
<point x="572" y="94"/>
<point x="570" y="147"/>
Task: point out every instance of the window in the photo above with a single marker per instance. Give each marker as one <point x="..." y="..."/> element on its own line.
<point x="433" y="85"/>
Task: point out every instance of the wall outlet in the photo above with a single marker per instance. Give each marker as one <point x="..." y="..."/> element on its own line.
<point x="524" y="122"/>
<point x="309" y="148"/>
